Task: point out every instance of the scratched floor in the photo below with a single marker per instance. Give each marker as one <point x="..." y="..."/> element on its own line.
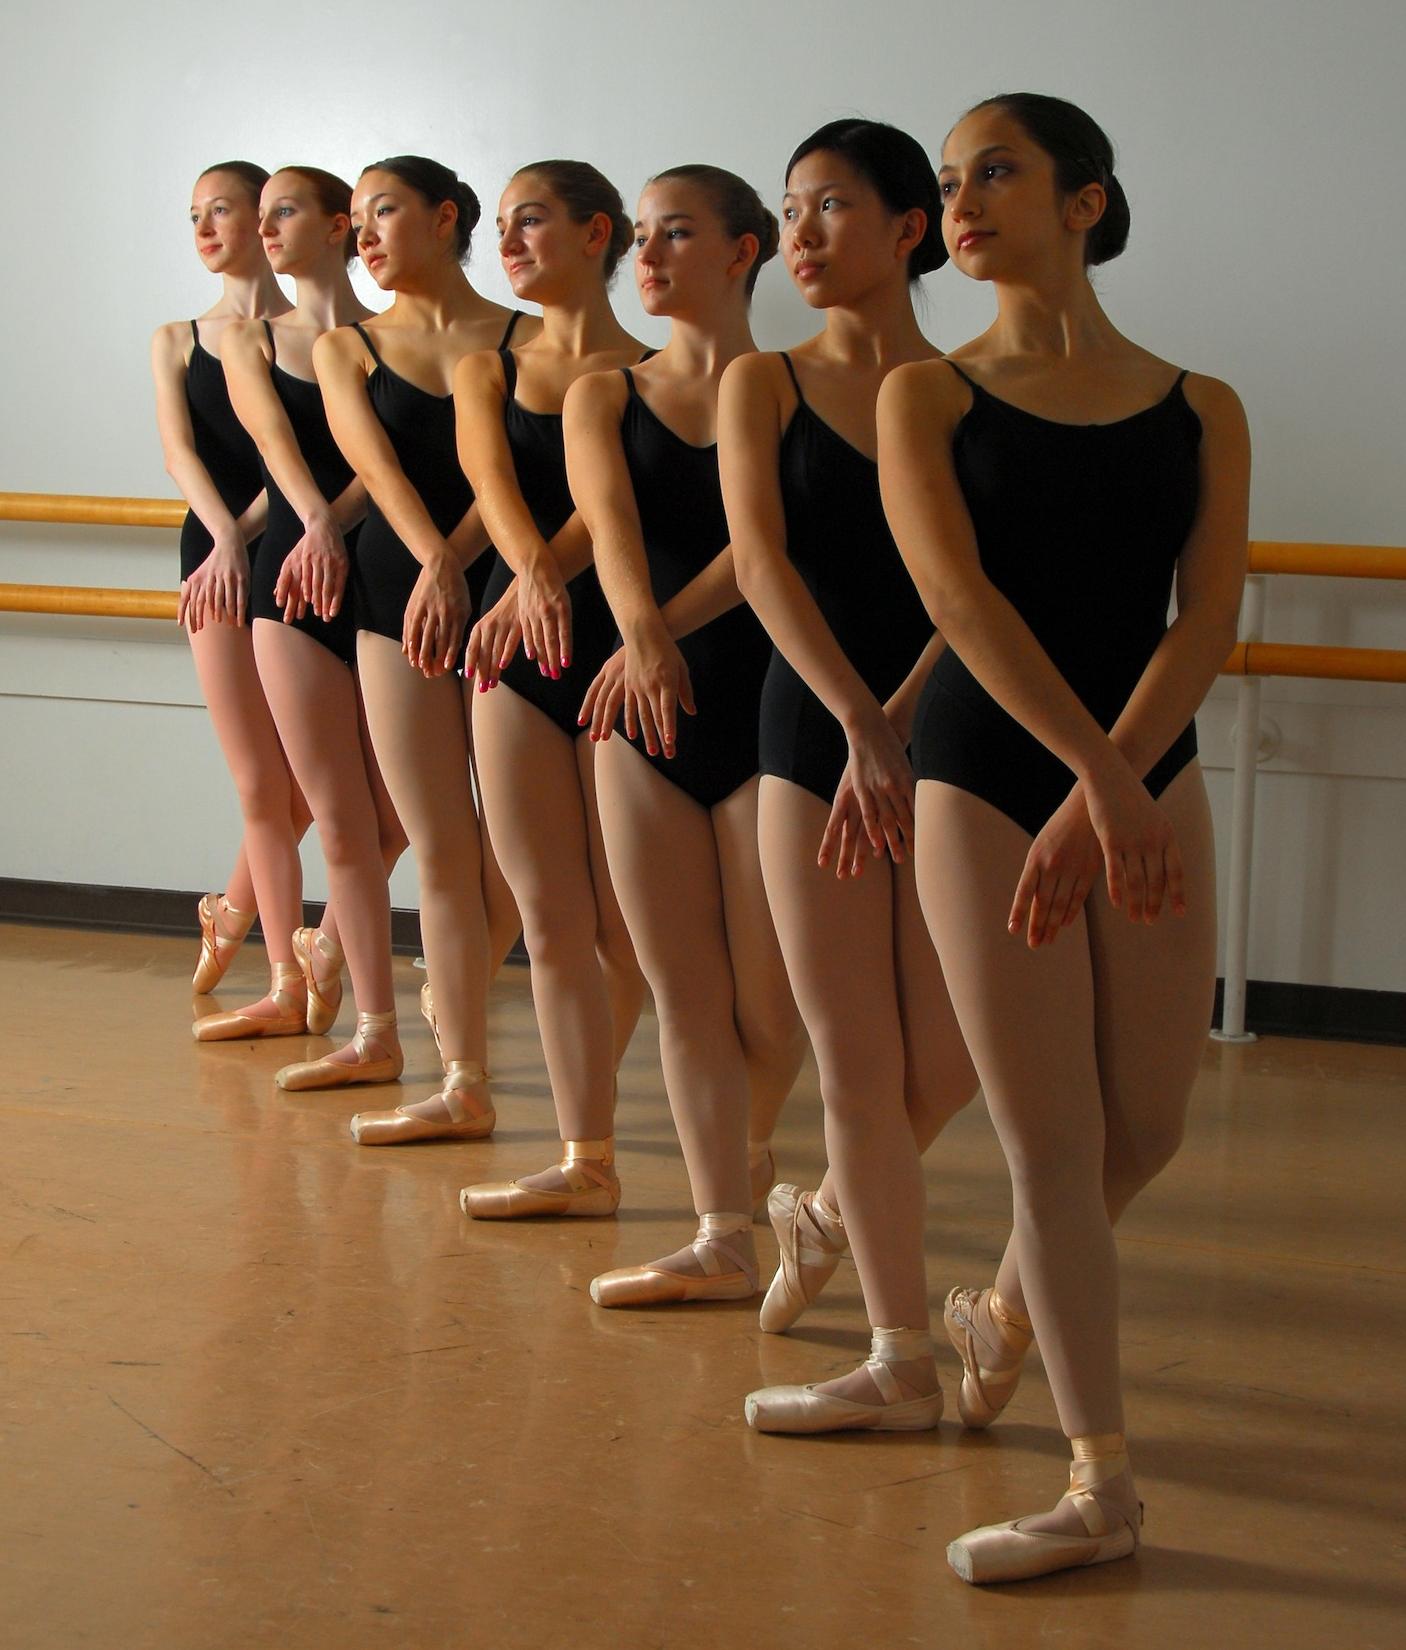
<point x="263" y="1388"/>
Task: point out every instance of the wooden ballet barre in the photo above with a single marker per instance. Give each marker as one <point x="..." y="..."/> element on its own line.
<point x="1340" y="664"/>
<point x="1336" y="561"/>
<point x="87" y="601"/>
<point x="1343" y="561"/>
<point x="90" y="510"/>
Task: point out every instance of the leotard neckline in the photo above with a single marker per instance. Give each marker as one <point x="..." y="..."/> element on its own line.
<point x="400" y="378"/>
<point x="802" y="405"/>
<point x="692" y="446"/>
<point x="1064" y="423"/>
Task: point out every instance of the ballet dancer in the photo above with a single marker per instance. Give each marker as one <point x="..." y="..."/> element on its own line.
<point x="216" y="467"/>
<point x="678" y="806"/>
<point x="562" y="229"/>
<point x="304" y="635"/>
<point x="387" y="386"/>
<point x="815" y="559"/>
<point x="1046" y="485"/>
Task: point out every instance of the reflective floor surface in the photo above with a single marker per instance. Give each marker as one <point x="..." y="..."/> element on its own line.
<point x="264" y="1388"/>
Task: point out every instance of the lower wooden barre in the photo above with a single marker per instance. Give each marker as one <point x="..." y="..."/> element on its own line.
<point x="1337" y="561"/>
<point x="86" y="601"/>
<point x="1340" y="664"/>
<point x="88" y="510"/>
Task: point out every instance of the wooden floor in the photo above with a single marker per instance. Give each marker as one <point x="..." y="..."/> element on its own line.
<point x="264" y="1388"/>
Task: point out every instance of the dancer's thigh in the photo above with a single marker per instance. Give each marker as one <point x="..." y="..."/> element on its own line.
<point x="1027" y="1016"/>
<point x="239" y="712"/>
<point x="766" y="1007"/>
<point x="664" y="870"/>
<point x="417" y="732"/>
<point x="312" y="695"/>
<point x="536" y="812"/>
<point x="1153" y="989"/>
<point x="940" y="1077"/>
<point x="836" y="938"/>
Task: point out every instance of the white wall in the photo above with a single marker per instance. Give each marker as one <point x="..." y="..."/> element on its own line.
<point x="1259" y="142"/>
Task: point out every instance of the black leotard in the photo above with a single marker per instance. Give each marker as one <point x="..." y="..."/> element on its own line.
<point x="302" y="402"/>
<point x="420" y="426"/>
<point x="538" y="447"/>
<point x="839" y="542"/>
<point x="223" y="446"/>
<point x="1079" y="526"/>
<point x="684" y="528"/>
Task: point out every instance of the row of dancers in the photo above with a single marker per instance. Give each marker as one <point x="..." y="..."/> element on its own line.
<point x="831" y="692"/>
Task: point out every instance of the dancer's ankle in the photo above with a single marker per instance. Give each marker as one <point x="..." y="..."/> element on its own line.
<point x="1100" y="1469"/>
<point x="599" y="1153"/>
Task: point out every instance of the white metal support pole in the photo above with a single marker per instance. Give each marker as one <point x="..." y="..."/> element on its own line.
<point x="1242" y="828"/>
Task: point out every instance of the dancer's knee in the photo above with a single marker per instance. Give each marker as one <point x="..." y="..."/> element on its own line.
<point x="771" y="1033"/>
<point x="556" y="934"/>
<point x="392" y="843"/>
<point x="1133" y="1158"/>
<point x="693" y="1014"/>
<point x="933" y="1102"/>
<point x="265" y="802"/>
<point x="613" y="944"/>
<point x="854" y="1080"/>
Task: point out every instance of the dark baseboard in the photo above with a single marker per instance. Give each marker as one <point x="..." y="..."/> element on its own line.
<point x="1335" y="1013"/>
<point x="147" y="910"/>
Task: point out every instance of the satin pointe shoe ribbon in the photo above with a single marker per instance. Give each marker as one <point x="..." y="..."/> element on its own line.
<point x="590" y="1188"/>
<point x="900" y="1407"/>
<point x="324" y="996"/>
<point x="458" y="1112"/>
<point x="217" y="947"/>
<point x="811" y="1246"/>
<point x="1102" y="1496"/>
<point x="724" y="1252"/>
<point x="378" y="1059"/>
<point x="286" y="994"/>
<point x="985" y="1391"/>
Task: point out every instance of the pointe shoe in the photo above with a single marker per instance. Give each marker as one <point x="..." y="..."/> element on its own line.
<point x="378" y="1059"/>
<point x="324" y="996"/>
<point x="729" y="1274"/>
<point x="761" y="1165"/>
<point x="291" y="1020"/>
<point x="804" y="1409"/>
<point x="445" y="1116"/>
<point x="984" y="1393"/>
<point x="427" y="1014"/>
<point x="809" y="1256"/>
<point x="1100" y="1490"/>
<point x="216" y="949"/>
<point x="592" y="1190"/>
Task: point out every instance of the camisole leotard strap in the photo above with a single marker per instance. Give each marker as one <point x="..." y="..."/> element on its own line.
<point x="511" y="327"/>
<point x="365" y="337"/>
<point x="273" y="347"/>
<point x="966" y="379"/>
<point x="509" y="361"/>
<point x="795" y="382"/>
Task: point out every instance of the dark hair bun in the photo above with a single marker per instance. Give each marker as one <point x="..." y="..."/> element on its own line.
<point x="469" y="209"/>
<point x="1109" y="235"/>
<point x="931" y="252"/>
